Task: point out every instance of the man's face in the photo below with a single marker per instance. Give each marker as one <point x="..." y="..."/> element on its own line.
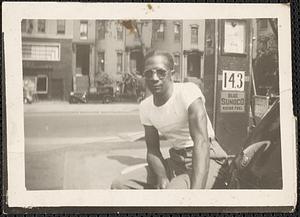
<point x="157" y="74"/>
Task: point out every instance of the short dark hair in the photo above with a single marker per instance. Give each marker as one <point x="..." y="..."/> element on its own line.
<point x="161" y="53"/>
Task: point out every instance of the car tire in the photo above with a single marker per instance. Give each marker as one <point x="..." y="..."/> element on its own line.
<point x="107" y="99"/>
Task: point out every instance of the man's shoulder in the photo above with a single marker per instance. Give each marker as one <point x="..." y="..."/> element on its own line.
<point x="146" y="103"/>
<point x="189" y="85"/>
<point x="188" y="92"/>
<point x="186" y="87"/>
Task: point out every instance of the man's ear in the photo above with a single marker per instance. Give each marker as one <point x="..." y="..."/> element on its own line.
<point x="172" y="73"/>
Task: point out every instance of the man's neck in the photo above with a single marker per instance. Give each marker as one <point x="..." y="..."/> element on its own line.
<point x="161" y="99"/>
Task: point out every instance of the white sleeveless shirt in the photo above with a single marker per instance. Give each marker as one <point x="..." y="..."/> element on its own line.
<point x="171" y="119"/>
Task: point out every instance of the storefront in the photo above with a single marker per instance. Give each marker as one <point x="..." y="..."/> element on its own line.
<point x="47" y="69"/>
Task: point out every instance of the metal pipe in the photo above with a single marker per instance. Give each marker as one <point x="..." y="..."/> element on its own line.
<point x="216" y="73"/>
<point x="250" y="58"/>
<point x="181" y="53"/>
<point x="251" y="112"/>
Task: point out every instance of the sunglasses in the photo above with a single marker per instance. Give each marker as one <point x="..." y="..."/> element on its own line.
<point x="160" y="73"/>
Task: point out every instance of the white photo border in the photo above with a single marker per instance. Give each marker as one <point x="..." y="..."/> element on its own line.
<point x="18" y="196"/>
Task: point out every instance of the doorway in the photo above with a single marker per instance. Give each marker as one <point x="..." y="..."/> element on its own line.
<point x="194" y="65"/>
<point x="83" y="59"/>
<point x="57" y="89"/>
<point x="136" y="61"/>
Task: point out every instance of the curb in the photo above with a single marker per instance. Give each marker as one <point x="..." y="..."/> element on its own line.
<point x="80" y="112"/>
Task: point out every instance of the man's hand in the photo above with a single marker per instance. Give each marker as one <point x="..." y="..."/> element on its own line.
<point x="162" y="183"/>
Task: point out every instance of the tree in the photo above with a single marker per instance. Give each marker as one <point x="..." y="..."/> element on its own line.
<point x="273" y="24"/>
<point x="265" y="65"/>
<point x="136" y="26"/>
<point x="136" y="82"/>
<point x="104" y="79"/>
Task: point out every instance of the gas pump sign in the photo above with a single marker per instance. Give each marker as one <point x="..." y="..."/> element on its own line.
<point x="232" y="94"/>
<point x="232" y="101"/>
<point x="231" y="86"/>
<point x="233" y="80"/>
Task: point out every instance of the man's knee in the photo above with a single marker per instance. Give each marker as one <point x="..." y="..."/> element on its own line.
<point x="117" y="184"/>
<point x="180" y="182"/>
<point x="214" y="168"/>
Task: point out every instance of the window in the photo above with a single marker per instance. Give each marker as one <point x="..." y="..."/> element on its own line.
<point x="176" y="31"/>
<point x="137" y="34"/>
<point x="119" y="62"/>
<point x="101" y="29"/>
<point x="42" y="26"/>
<point x="263" y="24"/>
<point x="194" y="35"/>
<point x="29" y="26"/>
<point x="119" y="32"/>
<point x="41" y="52"/>
<point x="61" y="26"/>
<point x="101" y="61"/>
<point x="42" y="84"/>
<point x="177" y="63"/>
<point x="23" y="25"/>
<point x="84" y="30"/>
<point x="159" y="29"/>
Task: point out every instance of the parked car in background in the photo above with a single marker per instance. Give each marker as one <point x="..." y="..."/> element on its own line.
<point x="104" y="94"/>
<point x="77" y="97"/>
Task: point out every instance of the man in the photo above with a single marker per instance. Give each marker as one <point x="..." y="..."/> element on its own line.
<point x="177" y="111"/>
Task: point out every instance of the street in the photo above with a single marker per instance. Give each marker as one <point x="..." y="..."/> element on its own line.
<point x="66" y="150"/>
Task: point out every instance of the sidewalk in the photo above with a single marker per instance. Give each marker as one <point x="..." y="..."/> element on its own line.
<point x="80" y="167"/>
<point x="65" y="107"/>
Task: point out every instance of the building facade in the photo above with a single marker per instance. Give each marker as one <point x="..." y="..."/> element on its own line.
<point x="47" y="57"/>
<point x="110" y="49"/>
<point x="61" y="56"/>
<point x="193" y="49"/>
<point x="184" y="39"/>
<point x="167" y="36"/>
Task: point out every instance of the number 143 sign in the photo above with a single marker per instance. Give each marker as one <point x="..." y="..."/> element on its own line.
<point x="233" y="80"/>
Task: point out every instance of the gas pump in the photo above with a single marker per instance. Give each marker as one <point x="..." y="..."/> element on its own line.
<point x="227" y="76"/>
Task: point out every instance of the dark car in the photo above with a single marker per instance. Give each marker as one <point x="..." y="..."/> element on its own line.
<point x="258" y="165"/>
<point x="77" y="97"/>
<point x="104" y="94"/>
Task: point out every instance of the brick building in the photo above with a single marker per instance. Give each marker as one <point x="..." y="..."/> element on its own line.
<point x="47" y="57"/>
<point x="184" y="39"/>
<point x="110" y="48"/>
<point x="60" y="56"/>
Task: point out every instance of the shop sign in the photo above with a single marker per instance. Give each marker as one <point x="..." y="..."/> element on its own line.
<point x="234" y="37"/>
<point x="36" y="65"/>
<point x="232" y="101"/>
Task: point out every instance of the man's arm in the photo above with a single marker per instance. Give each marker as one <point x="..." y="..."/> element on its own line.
<point x="198" y="131"/>
<point x="154" y="156"/>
